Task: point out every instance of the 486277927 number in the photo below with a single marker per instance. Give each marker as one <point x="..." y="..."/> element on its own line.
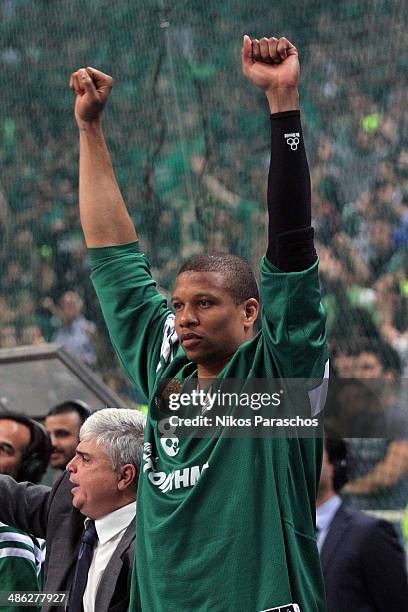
<point x="29" y="598"/>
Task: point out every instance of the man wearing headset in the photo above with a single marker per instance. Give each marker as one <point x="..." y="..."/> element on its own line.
<point x="25" y="449"/>
<point x="87" y="517"/>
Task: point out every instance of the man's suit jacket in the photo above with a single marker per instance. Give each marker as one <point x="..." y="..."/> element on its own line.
<point x="363" y="565"/>
<point x="48" y="513"/>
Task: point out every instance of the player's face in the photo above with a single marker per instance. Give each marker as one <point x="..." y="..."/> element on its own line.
<point x="95" y="482"/>
<point x="14" y="439"/>
<point x="64" y="432"/>
<point x="209" y="324"/>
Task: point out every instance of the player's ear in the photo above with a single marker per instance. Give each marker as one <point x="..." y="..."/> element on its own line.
<point x="251" y="310"/>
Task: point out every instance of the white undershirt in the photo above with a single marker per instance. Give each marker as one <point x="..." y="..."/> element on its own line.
<point x="110" y="530"/>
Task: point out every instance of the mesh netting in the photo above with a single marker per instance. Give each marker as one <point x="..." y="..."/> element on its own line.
<point x="189" y="139"/>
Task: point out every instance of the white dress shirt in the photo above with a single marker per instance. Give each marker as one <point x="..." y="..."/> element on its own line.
<point x="110" y="530"/>
<point x="324" y="516"/>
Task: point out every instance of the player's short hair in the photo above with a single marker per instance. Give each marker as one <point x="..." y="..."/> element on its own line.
<point x="120" y="431"/>
<point x="79" y="406"/>
<point x="239" y="277"/>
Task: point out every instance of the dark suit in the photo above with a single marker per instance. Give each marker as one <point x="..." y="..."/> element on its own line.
<point x="48" y="513"/>
<point x="363" y="565"/>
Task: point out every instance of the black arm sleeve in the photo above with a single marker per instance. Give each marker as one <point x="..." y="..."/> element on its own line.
<point x="290" y="235"/>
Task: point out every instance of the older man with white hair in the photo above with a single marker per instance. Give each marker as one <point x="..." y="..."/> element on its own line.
<point x="91" y="558"/>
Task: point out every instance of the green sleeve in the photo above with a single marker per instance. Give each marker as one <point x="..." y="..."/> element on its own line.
<point x="294" y="320"/>
<point x="134" y="311"/>
<point x="18" y="574"/>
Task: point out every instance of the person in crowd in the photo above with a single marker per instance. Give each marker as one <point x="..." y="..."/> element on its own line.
<point x="25" y="449"/>
<point x="362" y="559"/>
<point x="63" y="422"/>
<point x="76" y="333"/>
<point x="192" y="526"/>
<point x="91" y="558"/>
<point x="379" y="478"/>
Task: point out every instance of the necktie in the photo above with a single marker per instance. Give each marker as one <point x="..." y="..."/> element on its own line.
<point x="83" y="562"/>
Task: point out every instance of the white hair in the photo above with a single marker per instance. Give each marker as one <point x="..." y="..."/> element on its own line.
<point x="120" y="431"/>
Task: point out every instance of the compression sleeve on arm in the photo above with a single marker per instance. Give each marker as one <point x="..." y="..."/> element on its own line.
<point x="290" y="235"/>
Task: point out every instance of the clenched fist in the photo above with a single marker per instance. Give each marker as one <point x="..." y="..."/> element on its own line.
<point x="92" y="89"/>
<point x="271" y="64"/>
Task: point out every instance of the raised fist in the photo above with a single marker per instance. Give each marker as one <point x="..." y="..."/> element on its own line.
<point x="270" y="63"/>
<point x="92" y="89"/>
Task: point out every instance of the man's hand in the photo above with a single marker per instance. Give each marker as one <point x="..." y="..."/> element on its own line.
<point x="92" y="89"/>
<point x="273" y="65"/>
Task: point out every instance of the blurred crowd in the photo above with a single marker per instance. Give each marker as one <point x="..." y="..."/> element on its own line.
<point x="190" y="149"/>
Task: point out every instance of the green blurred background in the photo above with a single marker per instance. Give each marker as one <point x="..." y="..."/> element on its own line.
<point x="190" y="143"/>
